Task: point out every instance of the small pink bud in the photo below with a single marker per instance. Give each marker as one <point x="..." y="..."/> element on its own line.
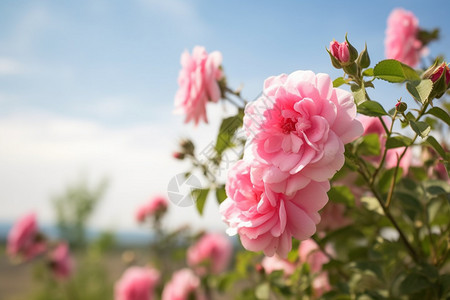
<point x="438" y="73"/>
<point x="340" y="51"/>
<point x="401" y="106"/>
<point x="178" y="155"/>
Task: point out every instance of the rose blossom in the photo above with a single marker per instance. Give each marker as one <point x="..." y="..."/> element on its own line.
<point x="60" y="262"/>
<point x="266" y="220"/>
<point x="136" y="284"/>
<point x="443" y="68"/>
<point x="198" y="83"/>
<point x="340" y="51"/>
<point x="183" y="284"/>
<point x="298" y="129"/>
<point x="333" y="217"/>
<point x="373" y="125"/>
<point x="401" y="40"/>
<point x="24" y="238"/>
<point x="212" y="253"/>
<point x="276" y="263"/>
<point x="310" y="253"/>
<point x="152" y="207"/>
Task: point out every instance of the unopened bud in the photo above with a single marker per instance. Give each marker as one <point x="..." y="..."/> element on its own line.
<point x="401" y="106"/>
<point x="178" y="155"/>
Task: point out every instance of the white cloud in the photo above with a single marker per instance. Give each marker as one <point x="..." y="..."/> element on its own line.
<point x="41" y="153"/>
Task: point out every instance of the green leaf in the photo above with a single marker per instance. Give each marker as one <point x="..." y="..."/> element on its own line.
<point x="342" y="194"/>
<point x="398" y="141"/>
<point x="372" y="204"/>
<point x="413" y="283"/>
<point x="359" y="95"/>
<point x="421" y="128"/>
<point x="386" y="179"/>
<point x="368" y="72"/>
<point x="372" y="108"/>
<point x="262" y="291"/>
<point x="226" y="132"/>
<point x="200" y="196"/>
<point x="370" y="145"/>
<point x="339" y="81"/>
<point x="420" y="90"/>
<point x="394" y="71"/>
<point x="221" y="195"/>
<point x="439" y="113"/>
<point x="433" y="143"/>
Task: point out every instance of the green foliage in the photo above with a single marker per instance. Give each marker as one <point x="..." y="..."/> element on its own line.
<point x="372" y="108"/>
<point x="394" y="71"/>
<point x="440" y="113"/>
<point x="398" y="141"/>
<point x="341" y="194"/>
<point x="200" y="196"/>
<point x="421" y="128"/>
<point x="420" y="90"/>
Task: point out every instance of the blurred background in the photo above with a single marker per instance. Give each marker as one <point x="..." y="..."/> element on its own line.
<point x="87" y="88"/>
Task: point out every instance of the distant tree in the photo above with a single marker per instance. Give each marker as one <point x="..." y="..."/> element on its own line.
<point x="74" y="207"/>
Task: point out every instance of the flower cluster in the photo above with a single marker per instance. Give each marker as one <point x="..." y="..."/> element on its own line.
<point x="26" y="242"/>
<point x="296" y="134"/>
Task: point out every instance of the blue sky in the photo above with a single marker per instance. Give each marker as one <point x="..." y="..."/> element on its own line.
<point x="75" y="74"/>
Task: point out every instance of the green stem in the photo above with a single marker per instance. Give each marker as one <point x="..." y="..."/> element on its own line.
<point x="387" y="213"/>
<point x="383" y="158"/>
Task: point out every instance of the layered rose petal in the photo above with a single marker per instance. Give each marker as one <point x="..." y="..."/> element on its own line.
<point x="300" y="126"/>
<point x="211" y="254"/>
<point x="267" y="220"/>
<point x="401" y="41"/>
<point x="198" y="84"/>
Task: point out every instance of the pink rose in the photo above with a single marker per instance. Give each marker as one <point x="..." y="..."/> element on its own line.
<point x="276" y="263"/>
<point x="184" y="283"/>
<point x="266" y="220"/>
<point x="443" y="68"/>
<point x="60" y="262"/>
<point x="24" y="238"/>
<point x="198" y="83"/>
<point x="310" y="253"/>
<point x="340" y="51"/>
<point x="333" y="217"/>
<point x="298" y="129"/>
<point x="401" y="40"/>
<point x="137" y="284"/>
<point x="373" y="125"/>
<point x="155" y="205"/>
<point x="212" y="253"/>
